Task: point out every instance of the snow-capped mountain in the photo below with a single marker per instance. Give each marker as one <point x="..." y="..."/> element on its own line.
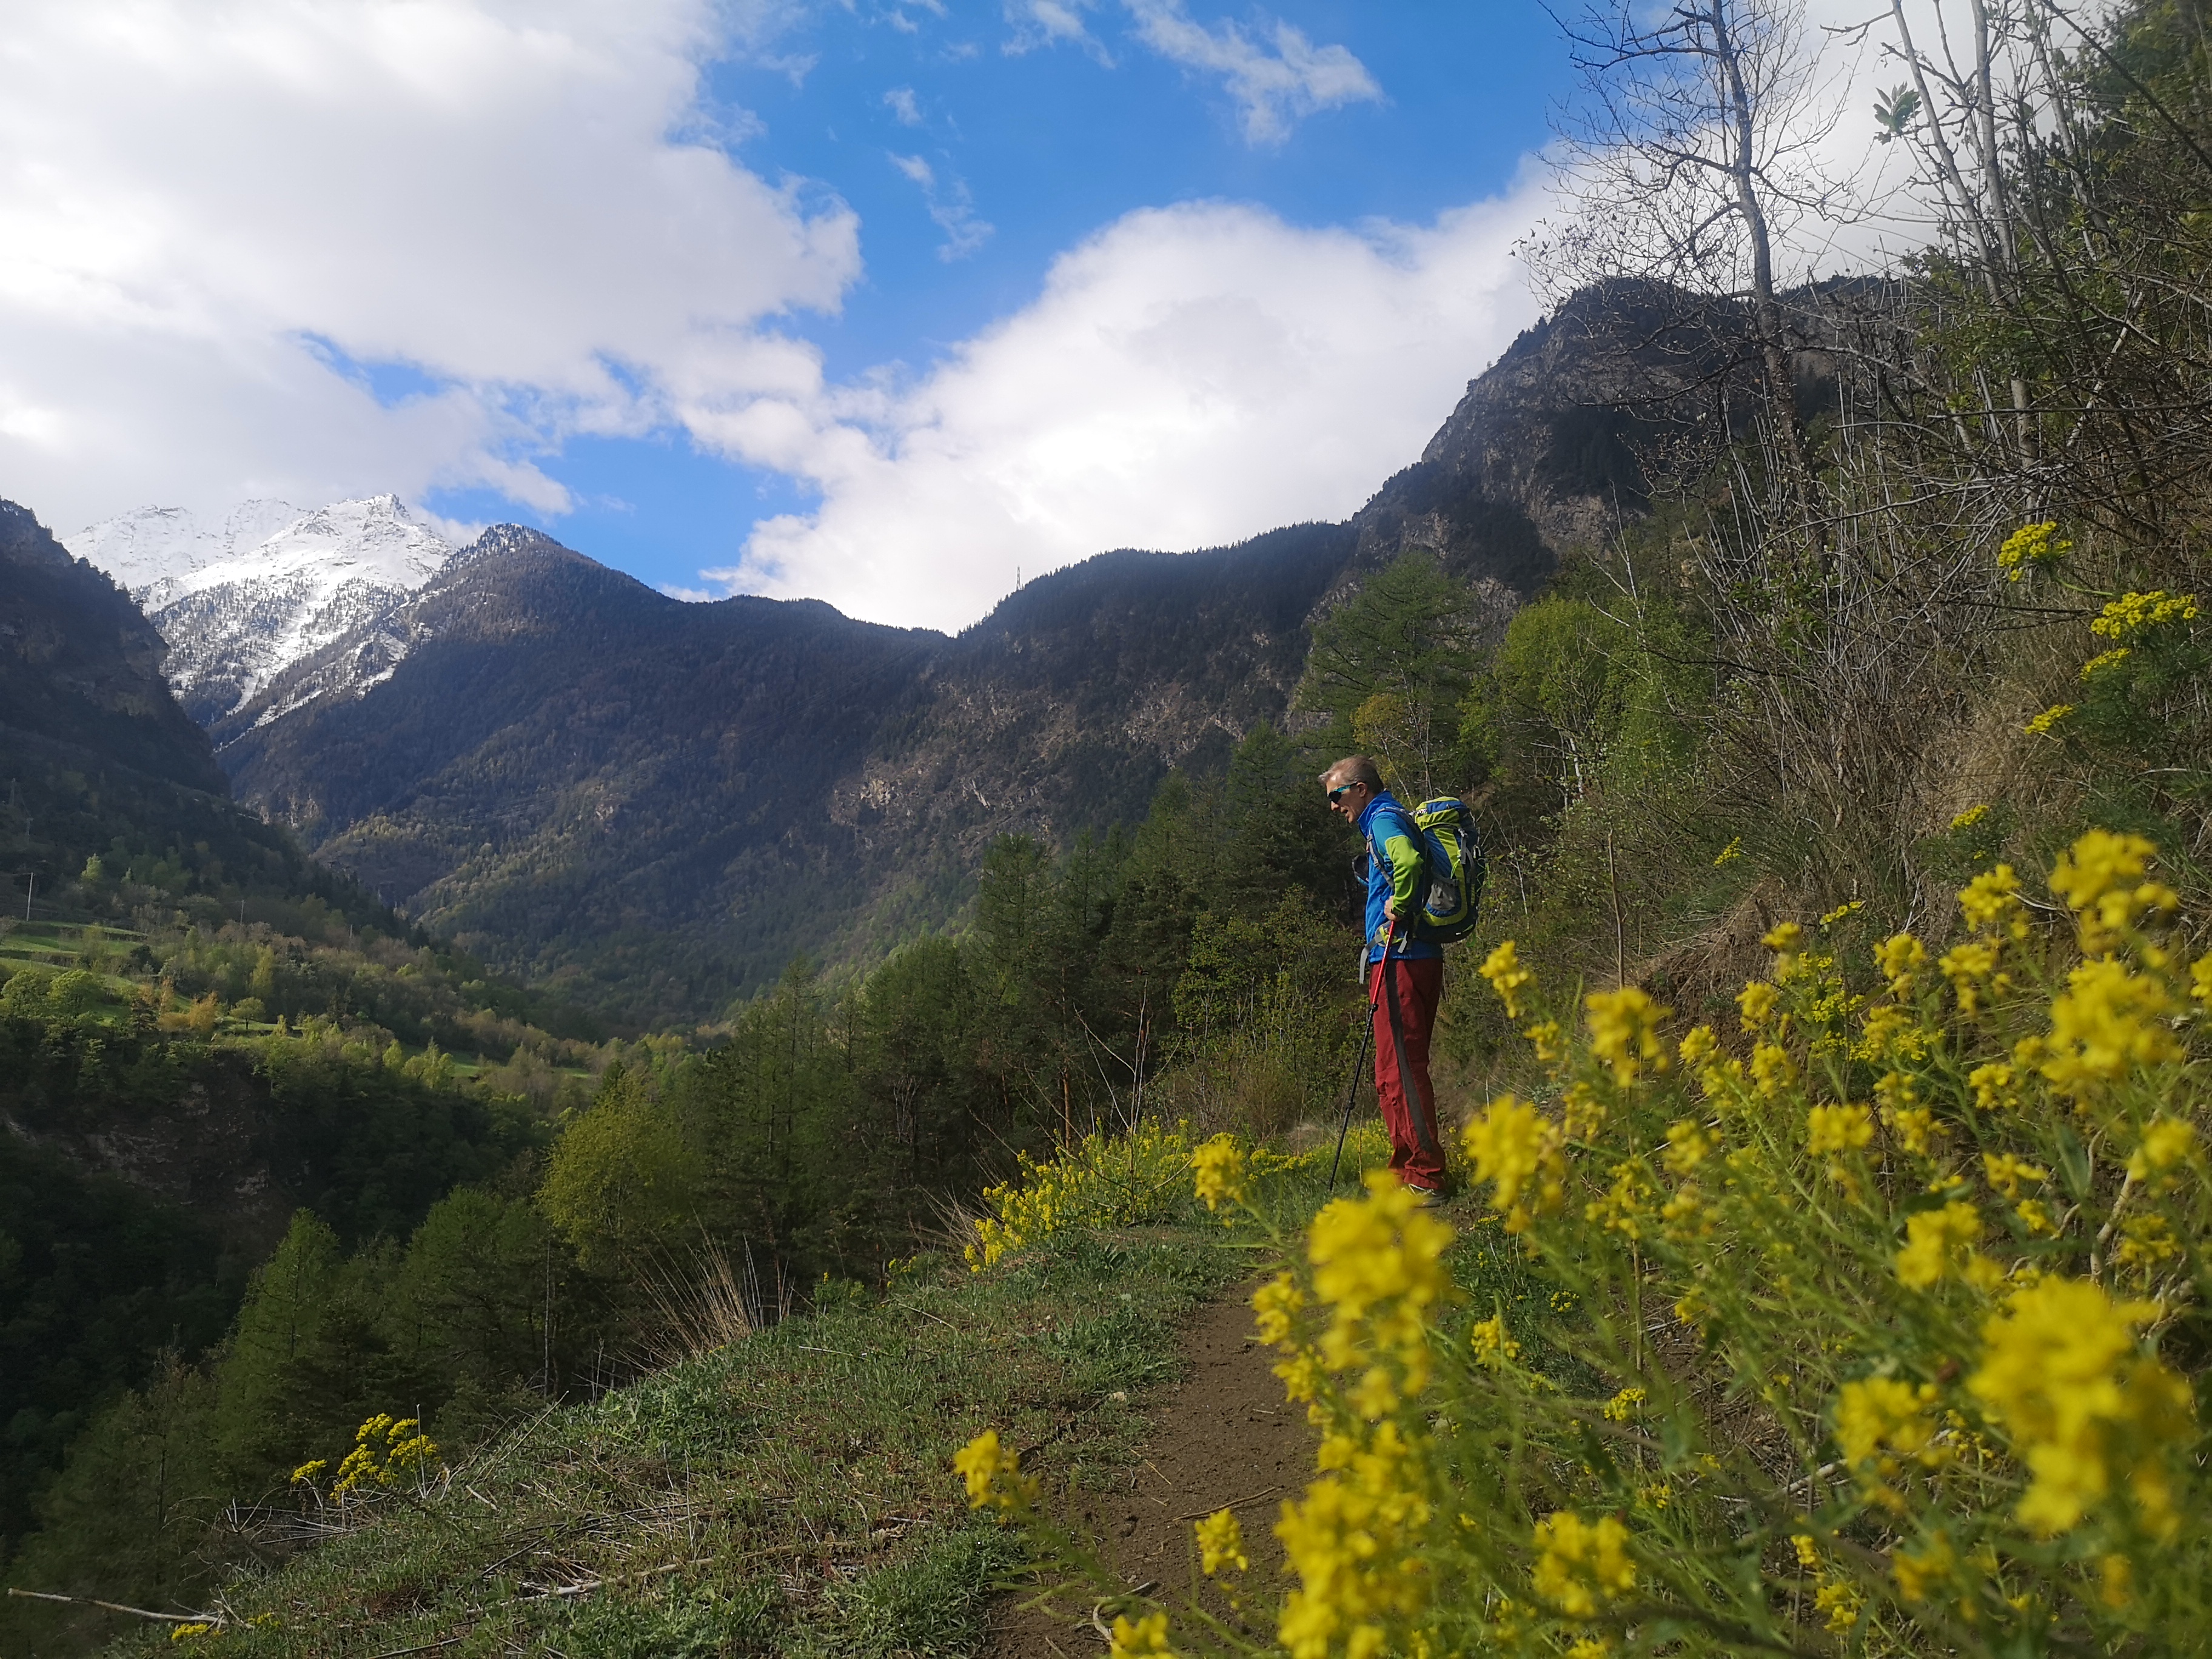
<point x="273" y="586"/>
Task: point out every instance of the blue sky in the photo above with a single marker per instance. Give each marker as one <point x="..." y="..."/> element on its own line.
<point x="879" y="301"/>
<point x="1043" y="146"/>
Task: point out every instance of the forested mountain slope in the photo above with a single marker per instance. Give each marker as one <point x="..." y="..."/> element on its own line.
<point x="653" y="805"/>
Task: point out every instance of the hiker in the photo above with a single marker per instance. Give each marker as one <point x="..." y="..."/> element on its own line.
<point x="1404" y="990"/>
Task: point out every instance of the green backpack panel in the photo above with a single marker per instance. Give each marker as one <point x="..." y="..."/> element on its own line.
<point x="1452" y="851"/>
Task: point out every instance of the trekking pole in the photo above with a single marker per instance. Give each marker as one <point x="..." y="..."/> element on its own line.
<point x="1352" y="1097"/>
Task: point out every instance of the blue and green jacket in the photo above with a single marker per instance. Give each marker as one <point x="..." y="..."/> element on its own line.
<point x="1397" y="877"/>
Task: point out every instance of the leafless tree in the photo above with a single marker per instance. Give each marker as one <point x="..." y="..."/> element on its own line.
<point x="1689" y="157"/>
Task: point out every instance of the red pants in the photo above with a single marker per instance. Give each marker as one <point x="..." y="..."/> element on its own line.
<point x="1410" y="992"/>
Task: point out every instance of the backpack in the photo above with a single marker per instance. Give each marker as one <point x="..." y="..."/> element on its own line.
<point x="1453" y="853"/>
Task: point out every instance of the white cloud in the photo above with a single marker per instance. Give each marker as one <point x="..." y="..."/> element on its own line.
<point x="200" y="198"/>
<point x="952" y="208"/>
<point x="1273" y="88"/>
<point x="1189" y="376"/>
<point x="902" y="103"/>
<point x="1052" y="23"/>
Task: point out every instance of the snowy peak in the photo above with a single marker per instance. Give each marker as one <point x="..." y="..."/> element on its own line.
<point x="240" y="605"/>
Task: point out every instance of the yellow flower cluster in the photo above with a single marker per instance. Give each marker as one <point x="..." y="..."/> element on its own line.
<point x="2108" y="1022"/>
<point x="1503" y="969"/>
<point x="2029" y="546"/>
<point x="2098" y="878"/>
<point x="1378" y="1269"/>
<point x="1351" y="1541"/>
<point x="1221" y="1543"/>
<point x="1101" y="1181"/>
<point x="1580" y="1563"/>
<point x="2133" y="612"/>
<point x="2043" y="724"/>
<point x="1492" y="1344"/>
<point x="1900" y="956"/>
<point x="1517" y="1147"/>
<point x="387" y="1452"/>
<point x="994" y="1477"/>
<point x="2061" y="1372"/>
<point x="1219" y="1164"/>
<point x="1624" y="1031"/>
<point x="1937" y="1240"/>
<point x="1141" y="1638"/>
<point x="1882" y="1419"/>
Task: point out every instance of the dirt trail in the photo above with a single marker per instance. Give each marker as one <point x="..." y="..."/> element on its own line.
<point x="1223" y="1435"/>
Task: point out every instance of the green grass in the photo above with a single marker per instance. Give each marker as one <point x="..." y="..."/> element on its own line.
<point x="791" y="1493"/>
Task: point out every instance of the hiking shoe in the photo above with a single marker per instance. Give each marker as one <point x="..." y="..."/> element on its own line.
<point x="1425" y="1198"/>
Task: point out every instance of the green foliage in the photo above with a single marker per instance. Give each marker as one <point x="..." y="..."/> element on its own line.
<point x="1390" y="669"/>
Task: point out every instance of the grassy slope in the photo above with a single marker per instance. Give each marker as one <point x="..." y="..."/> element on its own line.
<point x="791" y="1493"/>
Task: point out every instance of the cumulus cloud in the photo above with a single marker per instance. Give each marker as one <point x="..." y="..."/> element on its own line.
<point x="1189" y="376"/>
<point x="1273" y="87"/>
<point x="207" y="205"/>
<point x="952" y="208"/>
<point x="902" y="104"/>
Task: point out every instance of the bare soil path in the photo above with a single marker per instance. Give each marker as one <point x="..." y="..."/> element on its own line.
<point x="1222" y="1436"/>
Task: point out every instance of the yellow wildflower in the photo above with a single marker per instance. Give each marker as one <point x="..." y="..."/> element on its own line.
<point x="1492" y="1343"/>
<point x="2029" y="546"/>
<point x="1881" y="1419"/>
<point x="309" y="1471"/>
<point x="1933" y="1238"/>
<point x="993" y="1475"/>
<point x="1516" y="1146"/>
<point x="1503" y="969"/>
<point x="2099" y="877"/>
<point x="1915" y="1127"/>
<point x="1624" y="1028"/>
<point x="1218" y="1165"/>
<point x="1350" y="1543"/>
<point x="1546" y="1038"/>
<point x="2104" y="661"/>
<point x="2133" y="612"/>
<point x="2165" y="1141"/>
<point x="1579" y="1564"/>
<point x="1969" y="967"/>
<point x="1730" y="853"/>
<point x="1971" y="817"/>
<point x="2200" y="981"/>
<point x="1784" y="939"/>
<point x="1918" y="1573"/>
<point x="1274" y="1303"/>
<point x="2006" y="1171"/>
<point x="1846" y="1129"/>
<point x="1626" y="1203"/>
<point x="1221" y="1543"/>
<point x="197" y="1628"/>
<point x="1842" y="910"/>
<point x="1891" y="1033"/>
<point x="1990" y="903"/>
<point x="1756" y="1002"/>
<point x="1582" y="1112"/>
<point x="2041" y="725"/>
<point x="1992" y="1085"/>
<point x="1900" y="956"/>
<point x="1623" y="1405"/>
<point x="1688" y="1145"/>
<point x="1771" y="1069"/>
<point x="2036" y="1217"/>
<point x="2105" y="1023"/>
<point x="1809" y="1553"/>
<point x="1701" y="1042"/>
<point x="2146" y="1241"/>
<point x="1378" y="1267"/>
<point x="1142" y="1638"/>
<point x="1837" y="1601"/>
<point x="2061" y="1372"/>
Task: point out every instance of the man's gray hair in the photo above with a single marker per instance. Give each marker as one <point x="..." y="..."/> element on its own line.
<point x="1354" y="768"/>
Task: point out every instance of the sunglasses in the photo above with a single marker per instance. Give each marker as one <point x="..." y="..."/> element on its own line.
<point x="1341" y="790"/>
